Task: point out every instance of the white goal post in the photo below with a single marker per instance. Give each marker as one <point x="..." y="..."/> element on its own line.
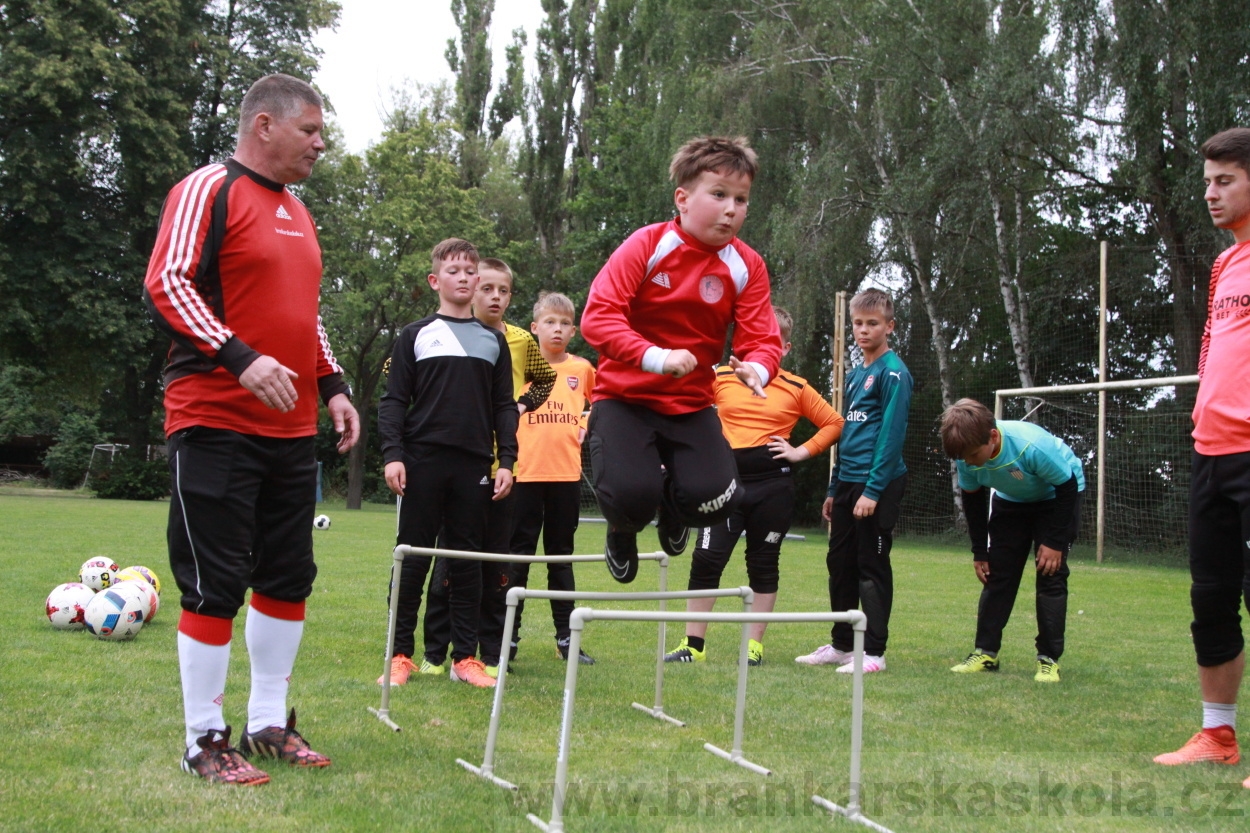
<point x="1100" y="455"/>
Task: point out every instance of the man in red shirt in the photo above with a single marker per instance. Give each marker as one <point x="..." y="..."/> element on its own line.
<point x="235" y="280"/>
<point x="1219" y="496"/>
<point x="658" y="313"/>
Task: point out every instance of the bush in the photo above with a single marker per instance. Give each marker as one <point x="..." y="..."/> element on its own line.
<point x="69" y="459"/>
<point x="130" y="477"/>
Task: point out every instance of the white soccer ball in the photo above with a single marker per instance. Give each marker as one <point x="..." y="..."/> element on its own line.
<point x="115" y="613"/>
<point x="321" y="522"/>
<point x="151" y="601"/>
<point x="66" y="605"/>
<point x="98" y="572"/>
<point x="139" y="571"/>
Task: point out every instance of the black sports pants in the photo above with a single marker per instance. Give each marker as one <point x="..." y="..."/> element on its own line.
<point x="449" y="491"/>
<point x="1015" y="533"/>
<point x="552" y="509"/>
<point x="860" y="575"/>
<point x="628" y="444"/>
<point x="1219" y="562"/>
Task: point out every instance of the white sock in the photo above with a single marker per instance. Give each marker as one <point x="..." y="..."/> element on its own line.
<point x="1219" y="714"/>
<point x="271" y="646"/>
<point x="203" y="669"/>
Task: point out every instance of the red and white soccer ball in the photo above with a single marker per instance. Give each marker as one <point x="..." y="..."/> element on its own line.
<point x="151" y="601"/>
<point x="116" y="613"/>
<point x="139" y="571"/>
<point x="67" y="604"/>
<point x="98" y="572"/>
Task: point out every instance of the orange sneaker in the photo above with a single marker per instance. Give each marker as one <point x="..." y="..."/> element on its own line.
<point x="1218" y="745"/>
<point x="401" y="667"/>
<point x="471" y="671"/>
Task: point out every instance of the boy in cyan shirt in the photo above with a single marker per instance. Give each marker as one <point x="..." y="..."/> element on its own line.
<point x="866" y="488"/>
<point x="1038" y="484"/>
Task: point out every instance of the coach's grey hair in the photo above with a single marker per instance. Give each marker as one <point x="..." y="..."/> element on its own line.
<point x="281" y="96"/>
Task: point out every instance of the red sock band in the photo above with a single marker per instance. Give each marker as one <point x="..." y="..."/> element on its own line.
<point x="290" y="611"/>
<point x="211" y="630"/>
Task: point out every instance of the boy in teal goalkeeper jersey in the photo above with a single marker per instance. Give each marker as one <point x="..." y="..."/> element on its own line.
<point x="1038" y="483"/>
<point x="867" y="487"/>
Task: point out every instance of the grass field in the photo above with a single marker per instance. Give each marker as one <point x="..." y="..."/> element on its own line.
<point x="92" y="730"/>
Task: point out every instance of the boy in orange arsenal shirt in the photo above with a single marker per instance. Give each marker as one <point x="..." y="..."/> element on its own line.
<point x="548" y="483"/>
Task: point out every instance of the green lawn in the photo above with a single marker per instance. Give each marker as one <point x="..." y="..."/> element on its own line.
<point x="92" y="730"/>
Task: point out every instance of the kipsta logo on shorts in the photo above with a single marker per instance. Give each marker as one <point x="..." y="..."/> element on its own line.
<point x="573" y="382"/>
<point x="711" y="289"/>
<point x="868" y="382"/>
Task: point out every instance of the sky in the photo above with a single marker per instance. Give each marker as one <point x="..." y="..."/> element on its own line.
<point x="381" y="45"/>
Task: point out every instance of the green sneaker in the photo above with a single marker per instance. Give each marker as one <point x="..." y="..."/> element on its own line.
<point x="755" y="652"/>
<point x="492" y="671"/>
<point x="685" y="653"/>
<point x="1047" y="670"/>
<point x="428" y="667"/>
<point x="976" y="661"/>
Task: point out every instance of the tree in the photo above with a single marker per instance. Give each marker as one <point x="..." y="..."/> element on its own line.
<point x="103" y="107"/>
<point x="378" y="219"/>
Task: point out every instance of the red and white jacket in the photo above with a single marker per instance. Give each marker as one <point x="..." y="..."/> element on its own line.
<point x="236" y="274"/>
<point x="663" y="290"/>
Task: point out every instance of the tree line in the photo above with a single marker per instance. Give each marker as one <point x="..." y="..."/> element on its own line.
<point x="966" y="154"/>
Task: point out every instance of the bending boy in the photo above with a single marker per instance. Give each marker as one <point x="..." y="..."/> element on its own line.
<point x="1038" y="485"/>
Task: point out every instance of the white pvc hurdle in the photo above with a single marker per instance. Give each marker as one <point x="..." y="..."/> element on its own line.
<point x="383" y="712"/>
<point x="581" y="615"/>
<point x="517" y="594"/>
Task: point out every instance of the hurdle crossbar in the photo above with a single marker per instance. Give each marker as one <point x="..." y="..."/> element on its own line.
<point x="517" y="594"/>
<point x="383" y="712"/>
<point x="582" y="615"/>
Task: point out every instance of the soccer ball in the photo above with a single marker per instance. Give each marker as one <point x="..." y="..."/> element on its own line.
<point x="321" y="522"/>
<point x="66" y="604"/>
<point x="151" y="601"/>
<point x="115" y="613"/>
<point x="98" y="572"/>
<point x="140" y="572"/>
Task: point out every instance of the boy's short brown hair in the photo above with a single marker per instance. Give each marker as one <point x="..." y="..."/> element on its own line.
<point x="965" y="426"/>
<point x="723" y="154"/>
<point x="873" y="299"/>
<point x="496" y="265"/>
<point x="1232" y="145"/>
<point x="785" y="323"/>
<point x="556" y="301"/>
<point x="449" y="248"/>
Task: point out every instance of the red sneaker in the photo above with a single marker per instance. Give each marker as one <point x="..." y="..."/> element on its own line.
<point x="221" y="763"/>
<point x="1218" y="745"/>
<point x="283" y="743"/>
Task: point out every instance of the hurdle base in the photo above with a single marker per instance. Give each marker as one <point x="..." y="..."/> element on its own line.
<point x="851" y="815"/>
<point x="489" y="776"/>
<point x="736" y="758"/>
<point x="385" y="716"/>
<point x="554" y="827"/>
<point x="658" y="714"/>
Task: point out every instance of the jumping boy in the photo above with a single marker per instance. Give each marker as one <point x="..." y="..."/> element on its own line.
<point x="448" y="406"/>
<point x="866" y="487"/>
<point x="548" y="478"/>
<point x="658" y="313"/>
<point x="532" y="380"/>
<point x="1038" y="484"/>
<point x="758" y="430"/>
